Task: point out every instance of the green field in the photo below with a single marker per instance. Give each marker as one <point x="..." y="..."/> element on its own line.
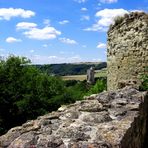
<point x="98" y="73"/>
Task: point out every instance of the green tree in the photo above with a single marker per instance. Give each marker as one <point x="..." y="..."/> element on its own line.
<point x="24" y="92"/>
<point x="99" y="86"/>
<point x="10" y="74"/>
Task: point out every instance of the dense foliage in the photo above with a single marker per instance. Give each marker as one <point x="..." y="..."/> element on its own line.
<point x="69" y="69"/>
<point x="26" y="92"/>
<point x="99" y="86"/>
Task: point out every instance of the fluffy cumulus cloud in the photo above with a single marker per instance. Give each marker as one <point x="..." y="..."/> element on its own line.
<point x="80" y="1"/>
<point x="45" y="33"/>
<point x="25" y="25"/>
<point x="101" y="45"/>
<point x="8" y="13"/>
<point x="105" y="18"/>
<point x="63" y="22"/>
<point x="31" y="31"/>
<point x="12" y="40"/>
<point x="67" y="41"/>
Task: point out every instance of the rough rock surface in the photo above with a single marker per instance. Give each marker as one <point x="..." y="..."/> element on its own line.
<point x="107" y="120"/>
<point x="127" y="50"/>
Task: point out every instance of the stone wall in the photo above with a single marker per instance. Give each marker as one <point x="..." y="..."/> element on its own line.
<point x="127" y="50"/>
<point x="115" y="119"/>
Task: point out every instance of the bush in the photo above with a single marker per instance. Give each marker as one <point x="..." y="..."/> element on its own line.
<point x="144" y="84"/>
<point x="99" y="86"/>
<point x="118" y="20"/>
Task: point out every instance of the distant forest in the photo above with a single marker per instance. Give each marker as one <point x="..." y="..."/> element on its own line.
<point x="69" y="69"/>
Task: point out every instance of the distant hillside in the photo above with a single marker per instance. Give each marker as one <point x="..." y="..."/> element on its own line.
<point x="70" y="69"/>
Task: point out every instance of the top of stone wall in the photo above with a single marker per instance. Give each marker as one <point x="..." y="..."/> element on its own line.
<point x="128" y="18"/>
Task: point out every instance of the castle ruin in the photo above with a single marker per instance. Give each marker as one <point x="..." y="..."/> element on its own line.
<point x="90" y="75"/>
<point x="127" y="50"/>
<point x="112" y="119"/>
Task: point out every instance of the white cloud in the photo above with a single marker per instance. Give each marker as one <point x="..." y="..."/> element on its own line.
<point x="84" y="9"/>
<point x="107" y="13"/>
<point x="101" y="45"/>
<point x="85" y="17"/>
<point x="108" y="1"/>
<point x="67" y="41"/>
<point x="63" y="22"/>
<point x="45" y="33"/>
<point x="32" y="32"/>
<point x="136" y="10"/>
<point x="106" y="17"/>
<point x="8" y="13"/>
<point x="12" y="40"/>
<point x="25" y="25"/>
<point x="80" y="1"/>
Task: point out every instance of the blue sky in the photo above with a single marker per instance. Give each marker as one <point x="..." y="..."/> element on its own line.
<point x="60" y="31"/>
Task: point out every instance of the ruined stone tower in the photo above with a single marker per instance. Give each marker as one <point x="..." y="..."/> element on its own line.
<point x="90" y="75"/>
<point x="127" y="50"/>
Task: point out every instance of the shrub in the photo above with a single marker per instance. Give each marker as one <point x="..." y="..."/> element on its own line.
<point x="99" y="86"/>
<point x="144" y="84"/>
<point x="118" y="20"/>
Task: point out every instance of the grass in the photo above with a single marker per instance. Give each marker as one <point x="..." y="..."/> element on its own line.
<point x="98" y="73"/>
